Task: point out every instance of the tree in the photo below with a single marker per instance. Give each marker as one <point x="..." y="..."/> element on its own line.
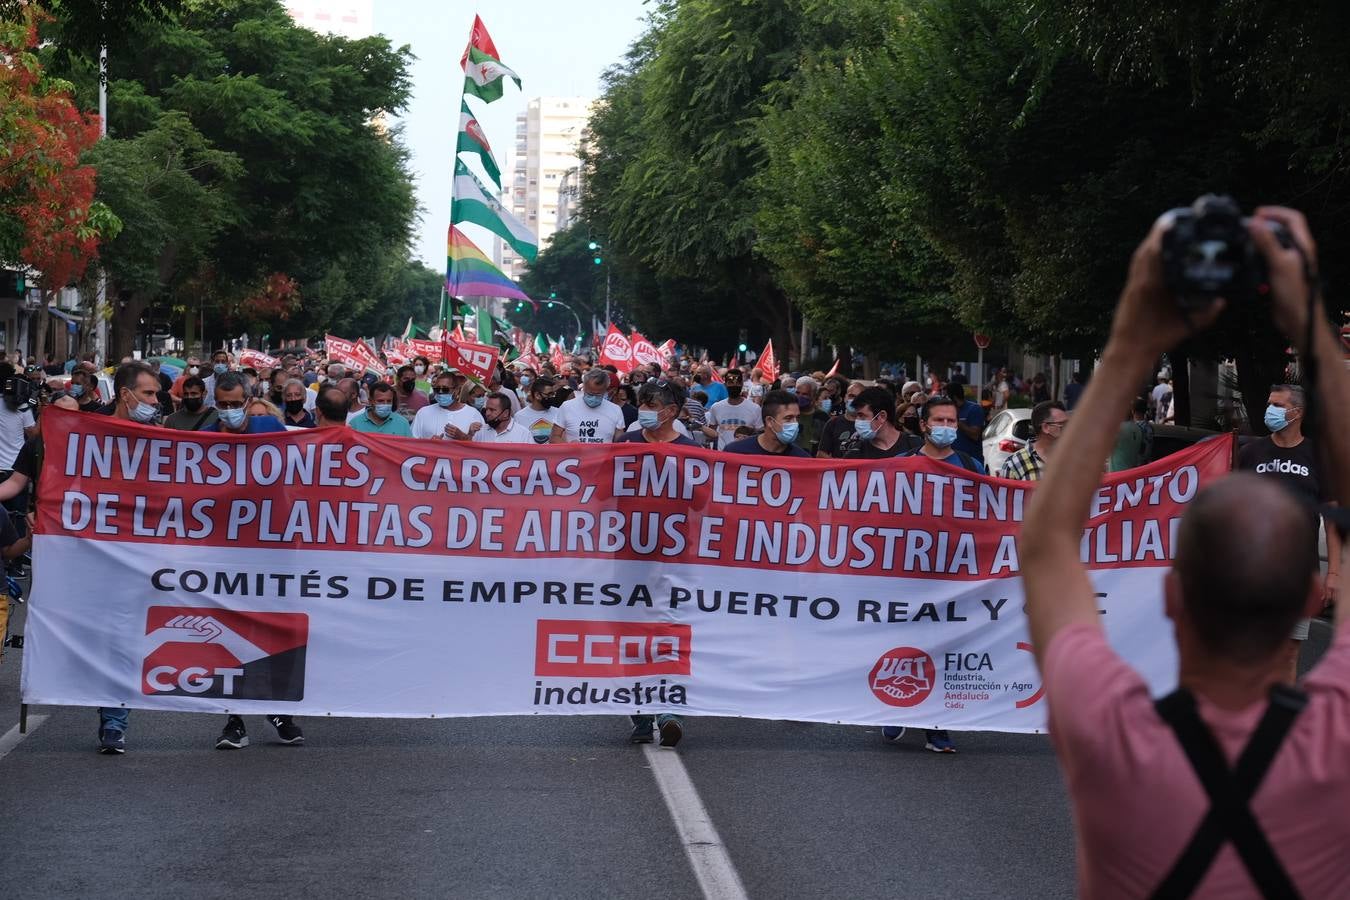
<point x="318" y="204"/>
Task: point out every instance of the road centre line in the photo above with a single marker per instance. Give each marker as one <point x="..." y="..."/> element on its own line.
<point x="707" y="854"/>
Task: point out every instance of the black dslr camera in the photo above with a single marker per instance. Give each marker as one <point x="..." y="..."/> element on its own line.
<point x="18" y="392"/>
<point x="1207" y="253"/>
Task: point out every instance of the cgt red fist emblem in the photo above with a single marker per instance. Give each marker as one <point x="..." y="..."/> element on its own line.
<point x="903" y="677"/>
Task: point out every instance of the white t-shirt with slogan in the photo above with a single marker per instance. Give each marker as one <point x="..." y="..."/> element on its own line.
<point x="726" y="417"/>
<point x="584" y="425"/>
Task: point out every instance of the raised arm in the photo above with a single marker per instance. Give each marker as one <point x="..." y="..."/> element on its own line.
<point x="1147" y="323"/>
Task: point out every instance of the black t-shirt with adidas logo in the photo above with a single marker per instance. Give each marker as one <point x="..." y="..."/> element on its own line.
<point x="1295" y="467"/>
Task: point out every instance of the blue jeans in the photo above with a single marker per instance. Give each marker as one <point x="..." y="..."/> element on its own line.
<point x="113" y="717"/>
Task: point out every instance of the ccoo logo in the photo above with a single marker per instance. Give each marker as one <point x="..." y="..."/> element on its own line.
<point x="195" y="652"/>
<point x="903" y="676"/>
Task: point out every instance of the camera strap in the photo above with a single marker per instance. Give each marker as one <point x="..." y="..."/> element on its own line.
<point x="1230" y="790"/>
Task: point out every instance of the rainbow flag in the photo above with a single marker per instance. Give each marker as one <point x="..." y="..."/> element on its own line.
<point x="469" y="273"/>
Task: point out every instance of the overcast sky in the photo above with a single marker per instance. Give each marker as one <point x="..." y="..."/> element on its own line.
<point x="558" y="47"/>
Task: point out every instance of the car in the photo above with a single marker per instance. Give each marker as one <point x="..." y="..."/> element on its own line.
<point x="1006" y="433"/>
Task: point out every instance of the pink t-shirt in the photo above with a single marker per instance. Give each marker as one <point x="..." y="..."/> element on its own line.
<point x="1136" y="799"/>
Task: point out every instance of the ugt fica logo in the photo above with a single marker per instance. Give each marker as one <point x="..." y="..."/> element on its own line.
<point x="194" y="652"/>
<point x="903" y="677"/>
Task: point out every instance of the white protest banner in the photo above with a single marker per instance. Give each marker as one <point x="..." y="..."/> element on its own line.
<point x="327" y="572"/>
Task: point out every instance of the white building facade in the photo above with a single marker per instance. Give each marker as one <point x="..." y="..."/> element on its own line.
<point x="547" y="145"/>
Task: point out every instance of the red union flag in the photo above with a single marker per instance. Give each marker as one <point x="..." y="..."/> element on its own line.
<point x="430" y="349"/>
<point x="477" y="361"/>
<point x="257" y="360"/>
<point x="643" y="351"/>
<point x="617" y="352"/>
<point x="667" y="351"/>
<point x="767" y="362"/>
<point x="353" y="354"/>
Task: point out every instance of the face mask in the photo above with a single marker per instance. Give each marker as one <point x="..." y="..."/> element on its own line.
<point x="220" y="368"/>
<point x="445" y="401"/>
<point x="498" y="423"/>
<point x="480" y="403"/>
<point x="144" y="412"/>
<point x="734" y="390"/>
<point x="803" y="401"/>
<point x="194" y="370"/>
<point x="525" y="380"/>
<point x="192" y="404"/>
<point x="1276" y="418"/>
<point x="789" y="433"/>
<point x="293" y="407"/>
<point x="942" y="435"/>
<point x="408" y="386"/>
<point x="593" y="400"/>
<point x="826" y="405"/>
<point x="864" y="429"/>
<point x="384" y="410"/>
<point x="76" y="391"/>
<point x="649" y="419"/>
<point x="233" y="418"/>
<point x="419" y="369"/>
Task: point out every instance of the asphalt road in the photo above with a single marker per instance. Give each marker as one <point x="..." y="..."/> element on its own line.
<point x="520" y="807"/>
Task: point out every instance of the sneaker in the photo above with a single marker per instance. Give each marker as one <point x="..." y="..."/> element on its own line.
<point x="287" y="730"/>
<point x="892" y="734"/>
<point x="111" y="741"/>
<point x="939" y="742"/>
<point x="234" y="736"/>
<point x="671" y="732"/>
<point x="643" y="733"/>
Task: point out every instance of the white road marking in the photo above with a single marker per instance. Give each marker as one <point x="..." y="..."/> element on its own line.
<point x="12" y="737"/>
<point x="707" y="854"/>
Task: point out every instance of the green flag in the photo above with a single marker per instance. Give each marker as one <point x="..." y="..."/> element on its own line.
<point x="471" y="201"/>
<point x="483" y="76"/>
<point x="473" y="140"/>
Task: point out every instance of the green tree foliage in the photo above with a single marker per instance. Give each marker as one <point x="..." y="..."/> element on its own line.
<point x="307" y="228"/>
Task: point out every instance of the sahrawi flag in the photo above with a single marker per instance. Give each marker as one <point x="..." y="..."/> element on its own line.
<point x="473" y="140"/>
<point x="483" y="69"/>
<point x="471" y="201"/>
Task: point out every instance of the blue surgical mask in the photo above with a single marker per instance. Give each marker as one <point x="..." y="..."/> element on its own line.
<point x="445" y="401"/>
<point x="480" y="403"/>
<point x="864" y="429"/>
<point x="942" y="435"/>
<point x="789" y="433"/>
<point x="144" y="412"/>
<point x="233" y="418"/>
<point x="384" y="410"/>
<point x="825" y="404"/>
<point x="220" y="368"/>
<point x="76" y="391"/>
<point x="649" y="419"/>
<point x="593" y="400"/>
<point x="1276" y="418"/>
<point x="525" y="380"/>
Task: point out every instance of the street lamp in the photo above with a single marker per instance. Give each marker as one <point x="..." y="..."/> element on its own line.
<point x="554" y="301"/>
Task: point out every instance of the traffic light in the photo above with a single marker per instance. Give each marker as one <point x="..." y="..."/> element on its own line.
<point x="742" y="347"/>
<point x="598" y="260"/>
<point x="553" y="295"/>
<point x="550" y="304"/>
<point x="593" y="245"/>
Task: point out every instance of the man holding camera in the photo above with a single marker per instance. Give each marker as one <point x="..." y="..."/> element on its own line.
<point x="1238" y="783"/>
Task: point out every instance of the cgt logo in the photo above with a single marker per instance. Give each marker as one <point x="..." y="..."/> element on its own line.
<point x="903" y="677"/>
<point x="193" y="652"/>
<point x="565" y="648"/>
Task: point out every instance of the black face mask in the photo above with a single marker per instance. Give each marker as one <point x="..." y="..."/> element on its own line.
<point x="408" y="385"/>
<point x="193" y="404"/>
<point x="734" y="390"/>
<point x="293" y="407"/>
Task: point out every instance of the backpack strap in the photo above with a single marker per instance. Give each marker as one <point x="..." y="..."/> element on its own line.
<point x="1230" y="792"/>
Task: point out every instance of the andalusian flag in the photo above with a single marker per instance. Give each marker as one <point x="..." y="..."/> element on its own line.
<point x="471" y="201"/>
<point x="471" y="274"/>
<point x="483" y="76"/>
<point x="472" y="140"/>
